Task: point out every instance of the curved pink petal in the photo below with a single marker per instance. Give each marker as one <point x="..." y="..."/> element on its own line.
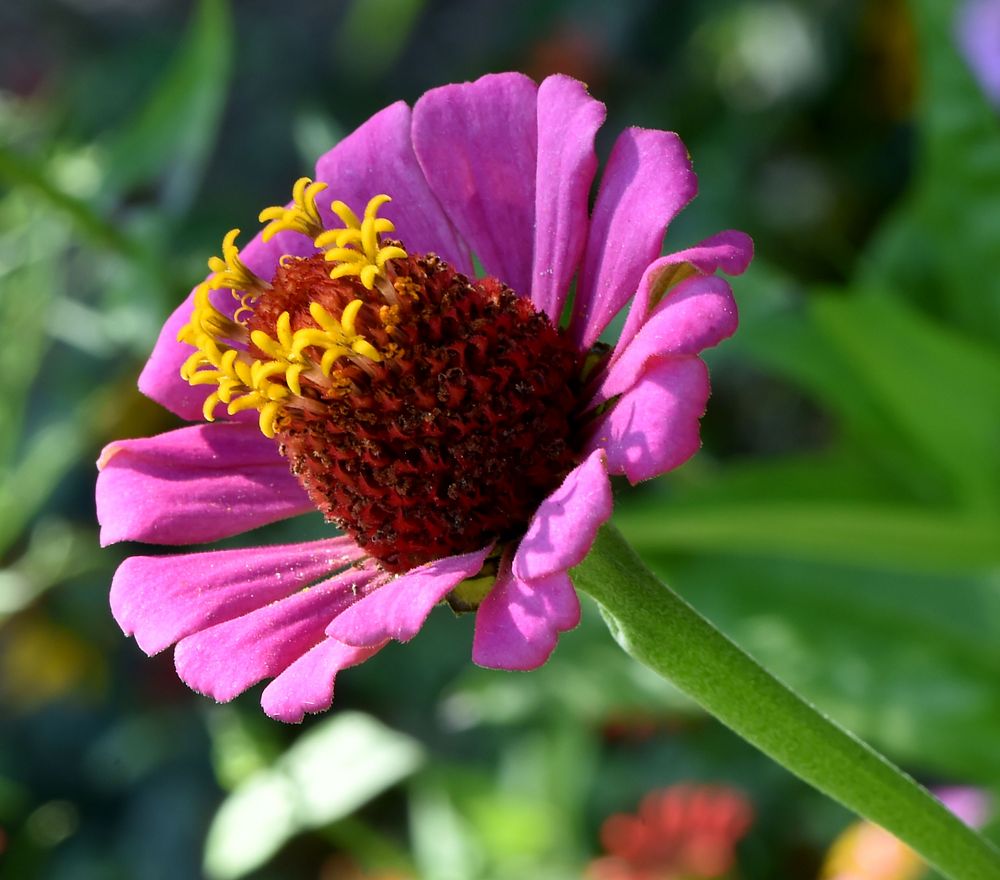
<point x="195" y="484"/>
<point x="477" y="144"/>
<point x="160" y="379"/>
<point x="378" y="158"/>
<point x="653" y="427"/>
<point x="565" y="524"/>
<point x="224" y="660"/>
<point x="648" y="179"/>
<point x="731" y="251"/>
<point x="307" y="685"/>
<point x="568" y="120"/>
<point x="519" y="622"/>
<point x="160" y="599"/>
<point x="696" y="315"/>
<point x="399" y="608"/>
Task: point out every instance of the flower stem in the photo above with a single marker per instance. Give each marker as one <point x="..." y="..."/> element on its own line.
<point x="661" y="630"/>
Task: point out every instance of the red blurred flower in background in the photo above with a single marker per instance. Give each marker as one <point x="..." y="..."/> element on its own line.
<point x="684" y="831"/>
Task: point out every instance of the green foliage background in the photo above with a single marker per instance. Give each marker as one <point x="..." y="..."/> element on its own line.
<point x="842" y="522"/>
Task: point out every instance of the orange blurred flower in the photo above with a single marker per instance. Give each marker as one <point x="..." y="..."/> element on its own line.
<point x="867" y="852"/>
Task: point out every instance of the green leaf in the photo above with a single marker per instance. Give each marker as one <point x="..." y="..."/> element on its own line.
<point x="374" y="32"/>
<point x="171" y="139"/>
<point x="940" y="390"/>
<point x="879" y="535"/>
<point x="940" y="246"/>
<point x="916" y="397"/>
<point x="908" y="661"/>
<point x="340" y="764"/>
<point x="791" y="344"/>
<point x="32" y="175"/>
<point x="658" y="628"/>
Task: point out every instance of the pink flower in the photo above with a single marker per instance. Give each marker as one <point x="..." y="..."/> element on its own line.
<point x="460" y="438"/>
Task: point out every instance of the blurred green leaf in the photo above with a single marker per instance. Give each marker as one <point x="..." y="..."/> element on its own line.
<point x="242" y="744"/>
<point x="31" y="174"/>
<point x="940" y="246"/>
<point x="334" y="768"/>
<point x="910" y="662"/>
<point x="587" y="679"/>
<point x="53" y="449"/>
<point x="443" y="846"/>
<point x="791" y="344"/>
<point x="468" y="825"/>
<point x="916" y="397"/>
<point x="879" y="535"/>
<point x="170" y="141"/>
<point x="657" y="627"/>
<point x="940" y="390"/>
<point x="55" y="552"/>
<point x="374" y="32"/>
<point x="372" y="849"/>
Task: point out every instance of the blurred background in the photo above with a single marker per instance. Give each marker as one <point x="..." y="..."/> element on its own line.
<point x="842" y="521"/>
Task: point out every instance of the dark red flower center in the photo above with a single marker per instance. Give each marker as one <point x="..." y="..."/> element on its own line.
<point x="455" y="435"/>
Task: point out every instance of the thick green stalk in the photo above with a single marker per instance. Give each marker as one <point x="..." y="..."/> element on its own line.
<point x="661" y="630"/>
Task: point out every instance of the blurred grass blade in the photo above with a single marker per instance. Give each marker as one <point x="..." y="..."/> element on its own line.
<point x="27" y="173"/>
<point x="907" y="538"/>
<point x="940" y="390"/>
<point x="658" y="628"/>
<point x="792" y="345"/>
<point x="340" y="764"/>
<point x="171" y="140"/>
<point x="920" y="399"/>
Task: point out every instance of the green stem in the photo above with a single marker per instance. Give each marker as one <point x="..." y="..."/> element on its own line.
<point x="660" y="629"/>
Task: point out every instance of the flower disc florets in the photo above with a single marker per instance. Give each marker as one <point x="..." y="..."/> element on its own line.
<point x="450" y="436"/>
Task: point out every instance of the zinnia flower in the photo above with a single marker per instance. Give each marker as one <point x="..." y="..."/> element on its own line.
<point x="684" y="831"/>
<point x="443" y="419"/>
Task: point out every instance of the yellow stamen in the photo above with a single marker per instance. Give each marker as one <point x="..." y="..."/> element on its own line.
<point x="231" y="271"/>
<point x="357" y="247"/>
<point x="271" y="384"/>
<point x="348" y="315"/>
<point x="303" y="215"/>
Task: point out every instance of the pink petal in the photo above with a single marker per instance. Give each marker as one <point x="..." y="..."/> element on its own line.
<point x="519" y="622"/>
<point x="568" y="120"/>
<point x="160" y="599"/>
<point x="195" y="484"/>
<point x="224" y="660"/>
<point x="730" y="251"/>
<point x="977" y="29"/>
<point x="307" y="685"/>
<point x="696" y="315"/>
<point x="972" y="805"/>
<point x="648" y="179"/>
<point x="477" y="144"/>
<point x="653" y="427"/>
<point x="398" y="609"/>
<point x="565" y="524"/>
<point x="378" y="158"/>
<point x="160" y="379"/>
